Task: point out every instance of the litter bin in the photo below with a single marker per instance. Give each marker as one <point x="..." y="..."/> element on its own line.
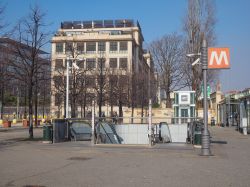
<point x="197" y="133"/>
<point x="197" y="138"/>
<point x="47" y="132"/>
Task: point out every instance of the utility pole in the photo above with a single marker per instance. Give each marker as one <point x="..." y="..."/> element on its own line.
<point x="93" y="124"/>
<point x="67" y="89"/>
<point x="205" y="146"/>
<point x="150" y="122"/>
<point x="17" y="105"/>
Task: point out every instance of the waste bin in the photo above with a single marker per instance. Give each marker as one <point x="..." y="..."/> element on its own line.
<point x="197" y="133"/>
<point x="47" y="132"/>
<point x="197" y="138"/>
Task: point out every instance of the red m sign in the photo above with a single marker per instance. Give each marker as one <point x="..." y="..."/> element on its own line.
<point x="218" y="58"/>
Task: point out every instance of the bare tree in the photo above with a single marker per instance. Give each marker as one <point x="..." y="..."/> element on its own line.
<point x="3" y="64"/>
<point x="167" y="54"/>
<point x="28" y="64"/>
<point x="73" y="50"/>
<point x="3" y="77"/>
<point x="198" y="23"/>
<point x="112" y="89"/>
<point x="101" y="87"/>
<point x="122" y="92"/>
<point x="77" y="80"/>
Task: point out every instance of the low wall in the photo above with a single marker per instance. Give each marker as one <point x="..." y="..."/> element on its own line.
<point x="178" y="133"/>
<point x="138" y="134"/>
<point x="132" y="134"/>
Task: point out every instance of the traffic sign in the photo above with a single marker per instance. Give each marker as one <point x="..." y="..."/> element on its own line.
<point x="218" y="58"/>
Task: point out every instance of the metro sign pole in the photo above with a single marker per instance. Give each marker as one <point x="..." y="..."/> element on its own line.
<point x="212" y="58"/>
<point x="205" y="139"/>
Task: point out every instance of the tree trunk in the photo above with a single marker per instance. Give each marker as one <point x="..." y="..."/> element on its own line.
<point x="2" y="100"/>
<point x="111" y="108"/>
<point x="30" y="109"/>
<point x="120" y="108"/>
<point x="168" y="101"/>
<point x="44" y="94"/>
<point x="142" y="113"/>
<point x="81" y="110"/>
<point x="84" y="102"/>
<point x="100" y="105"/>
<point x="36" y="101"/>
<point x="25" y="104"/>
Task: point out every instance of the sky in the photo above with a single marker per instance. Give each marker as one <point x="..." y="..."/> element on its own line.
<point x="157" y="18"/>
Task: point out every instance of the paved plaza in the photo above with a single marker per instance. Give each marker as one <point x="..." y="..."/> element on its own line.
<point x="33" y="163"/>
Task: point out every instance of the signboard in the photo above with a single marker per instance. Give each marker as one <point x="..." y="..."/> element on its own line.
<point x="208" y="91"/>
<point x="184" y="99"/>
<point x="218" y="58"/>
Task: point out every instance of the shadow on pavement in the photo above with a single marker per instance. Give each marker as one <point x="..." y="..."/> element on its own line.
<point x="218" y="142"/>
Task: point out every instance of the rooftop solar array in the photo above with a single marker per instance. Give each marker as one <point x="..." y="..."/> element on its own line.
<point x="99" y="24"/>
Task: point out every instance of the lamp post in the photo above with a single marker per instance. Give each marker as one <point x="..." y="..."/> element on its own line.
<point x="74" y="65"/>
<point x="67" y="89"/>
<point x="205" y="145"/>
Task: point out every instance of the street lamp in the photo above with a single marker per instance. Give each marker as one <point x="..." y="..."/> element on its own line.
<point x="67" y="84"/>
<point x="205" y="145"/>
<point x="193" y="55"/>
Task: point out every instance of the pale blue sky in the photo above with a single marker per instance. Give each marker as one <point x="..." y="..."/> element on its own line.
<point x="156" y="17"/>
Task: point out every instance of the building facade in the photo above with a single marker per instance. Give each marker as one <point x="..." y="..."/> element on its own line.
<point x="106" y="52"/>
<point x="234" y="110"/>
<point x="184" y="106"/>
<point x="15" y="68"/>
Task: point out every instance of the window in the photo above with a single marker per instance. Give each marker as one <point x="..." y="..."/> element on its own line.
<point x="90" y="63"/>
<point x="192" y="111"/>
<point x="80" y="63"/>
<point x="113" y="62"/>
<point x="101" y="63"/>
<point x="90" y="81"/>
<point x="113" y="80"/>
<point x="58" y="81"/>
<point x="58" y="99"/>
<point x="176" y="98"/>
<point x="69" y="48"/>
<point x="59" y="47"/>
<point x="123" y="63"/>
<point x="123" y="46"/>
<point x="80" y="47"/>
<point x="101" y="46"/>
<point x="113" y="46"/>
<point x="184" y="98"/>
<point x="90" y="47"/>
<point x="192" y="98"/>
<point x="123" y="79"/>
<point x="58" y="64"/>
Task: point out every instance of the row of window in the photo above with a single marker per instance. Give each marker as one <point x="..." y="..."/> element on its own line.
<point x="92" y="63"/>
<point x="91" y="47"/>
<point x="90" y="81"/>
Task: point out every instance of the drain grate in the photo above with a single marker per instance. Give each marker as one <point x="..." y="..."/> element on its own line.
<point x="79" y="158"/>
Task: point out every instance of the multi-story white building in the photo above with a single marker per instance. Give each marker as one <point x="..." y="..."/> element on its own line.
<point x="117" y="44"/>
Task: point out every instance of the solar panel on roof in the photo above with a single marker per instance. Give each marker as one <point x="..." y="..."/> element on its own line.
<point x="77" y="25"/>
<point x="98" y="24"/>
<point x="67" y="25"/>
<point x="87" y="24"/>
<point x="108" y="23"/>
<point x="129" y="23"/>
<point x="119" y="23"/>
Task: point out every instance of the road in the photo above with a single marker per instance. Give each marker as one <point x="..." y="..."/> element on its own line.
<point x="33" y="163"/>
